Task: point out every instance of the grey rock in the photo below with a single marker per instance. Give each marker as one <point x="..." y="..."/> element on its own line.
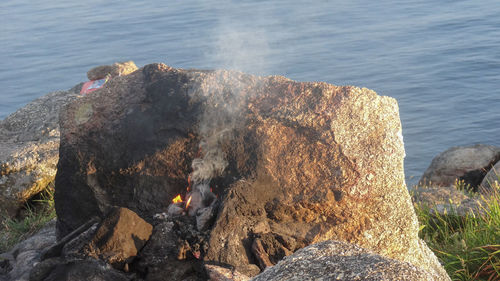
<point x="42" y="269"/>
<point x="29" y="149"/>
<point x="467" y="163"/>
<point x="334" y="260"/>
<point x="448" y="200"/>
<point x="491" y="181"/>
<point x="26" y="254"/>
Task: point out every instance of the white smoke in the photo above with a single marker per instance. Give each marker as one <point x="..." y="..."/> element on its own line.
<point x="235" y="45"/>
<point x="240" y="49"/>
<point x="212" y="162"/>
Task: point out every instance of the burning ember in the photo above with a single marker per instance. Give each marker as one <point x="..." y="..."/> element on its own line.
<point x="177" y="199"/>
<point x="201" y="203"/>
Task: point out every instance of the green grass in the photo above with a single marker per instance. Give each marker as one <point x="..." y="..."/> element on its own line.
<point x="468" y="246"/>
<point x="35" y="215"/>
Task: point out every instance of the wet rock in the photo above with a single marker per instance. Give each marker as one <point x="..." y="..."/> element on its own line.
<point x="491" y="181"/>
<point x="467" y="163"/>
<point x="334" y="260"/>
<point x="20" y="260"/>
<point x="29" y="149"/>
<point x="113" y="70"/>
<point x="119" y="238"/>
<point x="311" y="161"/>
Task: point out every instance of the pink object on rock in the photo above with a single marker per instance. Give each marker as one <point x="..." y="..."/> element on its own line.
<point x="91" y="86"/>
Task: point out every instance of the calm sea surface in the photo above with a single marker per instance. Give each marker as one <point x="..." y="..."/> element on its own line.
<point x="440" y="60"/>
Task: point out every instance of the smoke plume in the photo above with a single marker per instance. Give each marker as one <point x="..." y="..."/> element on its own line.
<point x="236" y="46"/>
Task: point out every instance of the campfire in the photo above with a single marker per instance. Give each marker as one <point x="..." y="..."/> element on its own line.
<point x="198" y="202"/>
<point x="282" y="164"/>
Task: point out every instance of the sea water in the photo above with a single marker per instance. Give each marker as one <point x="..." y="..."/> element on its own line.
<point x="441" y="61"/>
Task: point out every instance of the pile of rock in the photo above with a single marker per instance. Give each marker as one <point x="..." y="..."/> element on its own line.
<point x="304" y="163"/>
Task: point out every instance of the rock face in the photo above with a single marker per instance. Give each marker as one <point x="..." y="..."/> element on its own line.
<point x="29" y="149"/>
<point x="301" y="162"/>
<point x="334" y="260"/>
<point x="467" y="163"/>
<point x="116" y="69"/>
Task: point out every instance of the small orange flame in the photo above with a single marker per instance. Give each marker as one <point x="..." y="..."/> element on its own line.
<point x="188" y="201"/>
<point x="177" y="199"/>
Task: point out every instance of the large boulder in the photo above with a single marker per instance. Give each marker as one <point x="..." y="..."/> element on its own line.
<point x="29" y="149"/>
<point x="464" y="163"/>
<point x="334" y="260"/>
<point x="292" y="163"/>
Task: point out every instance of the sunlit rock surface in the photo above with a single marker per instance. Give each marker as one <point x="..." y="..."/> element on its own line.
<point x="334" y="260"/>
<point x="113" y="70"/>
<point x="29" y="149"/>
<point x="304" y="162"/>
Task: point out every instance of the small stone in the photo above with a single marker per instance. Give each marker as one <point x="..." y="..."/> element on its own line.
<point x="116" y="69"/>
<point x="119" y="237"/>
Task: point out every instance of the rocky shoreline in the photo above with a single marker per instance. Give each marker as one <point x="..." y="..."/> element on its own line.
<point x="313" y="173"/>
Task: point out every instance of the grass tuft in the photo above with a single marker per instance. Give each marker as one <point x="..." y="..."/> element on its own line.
<point x="35" y="215"/>
<point x="467" y="246"/>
